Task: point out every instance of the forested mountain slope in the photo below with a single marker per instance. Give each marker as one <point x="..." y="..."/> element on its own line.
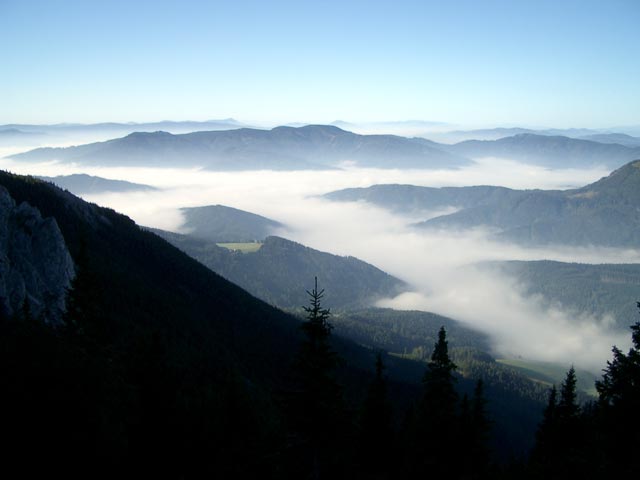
<point x="218" y="223"/>
<point x="599" y="290"/>
<point x="605" y="213"/>
<point x="274" y="271"/>
<point x="161" y="367"/>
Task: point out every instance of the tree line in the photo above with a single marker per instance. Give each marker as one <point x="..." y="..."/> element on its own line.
<point x="444" y="435"/>
<point x="87" y="405"/>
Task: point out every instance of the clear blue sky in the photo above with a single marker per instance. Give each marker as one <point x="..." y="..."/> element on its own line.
<point x="557" y="63"/>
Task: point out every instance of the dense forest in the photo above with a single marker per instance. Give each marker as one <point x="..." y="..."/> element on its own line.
<point x="274" y="272"/>
<point x="87" y="406"/>
<point x="599" y="290"/>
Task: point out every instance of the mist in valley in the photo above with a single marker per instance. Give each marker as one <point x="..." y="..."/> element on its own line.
<point x="443" y="269"/>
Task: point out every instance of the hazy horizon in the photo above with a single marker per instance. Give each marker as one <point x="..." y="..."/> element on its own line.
<point x="464" y="63"/>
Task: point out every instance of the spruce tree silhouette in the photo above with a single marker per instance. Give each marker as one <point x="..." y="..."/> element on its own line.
<point x="434" y="452"/>
<point x="568" y="408"/>
<point x="560" y="444"/>
<point x="316" y="407"/>
<point x="619" y="391"/>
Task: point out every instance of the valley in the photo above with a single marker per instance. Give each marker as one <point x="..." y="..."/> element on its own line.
<point x="527" y="282"/>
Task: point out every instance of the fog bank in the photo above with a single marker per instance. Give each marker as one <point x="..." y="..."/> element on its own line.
<point x="441" y="268"/>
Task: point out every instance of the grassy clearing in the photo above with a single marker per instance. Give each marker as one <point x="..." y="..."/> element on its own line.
<point x="242" y="247"/>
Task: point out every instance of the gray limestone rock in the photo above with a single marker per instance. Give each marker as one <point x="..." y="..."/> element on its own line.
<point x="35" y="264"/>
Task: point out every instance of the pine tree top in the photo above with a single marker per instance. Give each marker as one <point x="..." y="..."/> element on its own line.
<point x="440" y="357"/>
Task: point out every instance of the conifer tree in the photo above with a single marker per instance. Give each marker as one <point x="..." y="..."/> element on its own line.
<point x="570" y="428"/>
<point x="437" y="421"/>
<point x="438" y="379"/>
<point x="620" y="384"/>
<point x="568" y="409"/>
<point x="619" y="391"/>
<point x="560" y="447"/>
<point x="316" y="408"/>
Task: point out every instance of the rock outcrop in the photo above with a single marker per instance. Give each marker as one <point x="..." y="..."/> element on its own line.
<point x="36" y="267"/>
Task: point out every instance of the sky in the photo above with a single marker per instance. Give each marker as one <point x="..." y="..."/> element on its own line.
<point x="472" y="63"/>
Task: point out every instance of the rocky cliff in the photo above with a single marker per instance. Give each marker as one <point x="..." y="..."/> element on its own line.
<point x="36" y="267"/>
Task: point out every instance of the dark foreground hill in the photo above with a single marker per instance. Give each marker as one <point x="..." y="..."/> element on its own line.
<point x="282" y="148"/>
<point x="163" y="369"/>
<point x="145" y="386"/>
<point x="605" y="213"/>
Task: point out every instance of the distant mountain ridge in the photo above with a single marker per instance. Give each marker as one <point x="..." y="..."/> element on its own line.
<point x="282" y="148"/>
<point x="5" y="132"/>
<point x="605" y="213"/>
<point x="619" y="138"/>
<point x="126" y="127"/>
<point x="10" y="136"/>
<point x="503" y="132"/>
<point x="80" y="184"/>
<point x="320" y="147"/>
<point x="399" y="198"/>
<point x="549" y="151"/>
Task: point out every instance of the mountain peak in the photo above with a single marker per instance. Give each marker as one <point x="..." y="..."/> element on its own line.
<point x="311" y="128"/>
<point x="625" y="178"/>
<point x="157" y="133"/>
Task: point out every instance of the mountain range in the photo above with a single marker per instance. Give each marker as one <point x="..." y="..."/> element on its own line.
<point x="326" y="147"/>
<point x="620" y="135"/>
<point x="282" y="148"/>
<point x="13" y="136"/>
<point x="605" y="213"/>
<point x="549" y="151"/>
<point x="114" y="128"/>
<point x="619" y="138"/>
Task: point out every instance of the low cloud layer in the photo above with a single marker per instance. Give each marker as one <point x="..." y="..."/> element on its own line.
<point x="441" y="268"/>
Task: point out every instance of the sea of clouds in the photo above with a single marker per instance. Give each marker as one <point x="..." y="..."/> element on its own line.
<point x="443" y="269"/>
